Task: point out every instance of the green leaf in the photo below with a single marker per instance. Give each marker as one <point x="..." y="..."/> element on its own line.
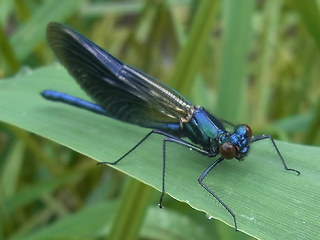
<point x="80" y="225"/>
<point x="268" y="201"/>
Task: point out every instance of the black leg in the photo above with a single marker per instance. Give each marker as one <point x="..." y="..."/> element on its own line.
<point x="182" y="143"/>
<point x="200" y="180"/>
<point x="163" y="172"/>
<point x="262" y="137"/>
<point x="131" y="150"/>
<point x="155" y="131"/>
<point x="169" y="138"/>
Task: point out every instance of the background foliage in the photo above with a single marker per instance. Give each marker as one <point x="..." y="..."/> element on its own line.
<point x="246" y="61"/>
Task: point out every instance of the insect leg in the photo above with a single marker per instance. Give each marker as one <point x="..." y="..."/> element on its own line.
<point x="200" y="180"/>
<point x="262" y="137"/>
<point x="181" y="142"/>
<point x="154" y="131"/>
<point x="131" y="150"/>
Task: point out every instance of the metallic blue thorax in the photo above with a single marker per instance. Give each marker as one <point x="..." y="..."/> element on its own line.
<point x="207" y="131"/>
<point x="202" y="127"/>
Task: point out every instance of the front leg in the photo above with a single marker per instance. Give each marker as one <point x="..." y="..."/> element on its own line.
<point x="200" y="180"/>
<point x="181" y="142"/>
<point x="262" y="137"/>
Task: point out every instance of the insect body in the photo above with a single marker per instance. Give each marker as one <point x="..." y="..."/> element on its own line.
<point x="130" y="95"/>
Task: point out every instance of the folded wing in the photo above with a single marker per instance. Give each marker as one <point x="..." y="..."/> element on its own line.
<point x="124" y="92"/>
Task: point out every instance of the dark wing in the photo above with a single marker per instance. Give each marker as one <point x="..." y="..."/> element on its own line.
<point x="125" y="93"/>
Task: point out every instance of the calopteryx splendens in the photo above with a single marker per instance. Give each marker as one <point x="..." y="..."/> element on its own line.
<point x="130" y="95"/>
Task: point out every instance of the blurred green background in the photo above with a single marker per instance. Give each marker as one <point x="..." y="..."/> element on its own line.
<point x="245" y="61"/>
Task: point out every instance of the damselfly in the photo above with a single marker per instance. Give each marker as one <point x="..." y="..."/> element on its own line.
<point x="130" y="95"/>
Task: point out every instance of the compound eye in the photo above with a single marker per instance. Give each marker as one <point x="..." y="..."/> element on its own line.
<point x="227" y="150"/>
<point x="248" y="130"/>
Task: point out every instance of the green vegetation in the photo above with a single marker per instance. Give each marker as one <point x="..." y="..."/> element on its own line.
<point x="247" y="61"/>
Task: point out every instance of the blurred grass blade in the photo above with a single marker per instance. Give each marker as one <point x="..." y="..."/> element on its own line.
<point x="22" y="10"/>
<point x="6" y="7"/>
<point x="233" y="79"/>
<point x="310" y="15"/>
<point x="7" y="53"/>
<point x="36" y="191"/>
<point x="296" y="124"/>
<point x="134" y="203"/>
<point x="189" y="58"/>
<point x="85" y="224"/>
<point x="11" y="170"/>
<point x="313" y="131"/>
<point x="97" y="9"/>
<point x="262" y="96"/>
<point x="33" y="31"/>
<point x="268" y="201"/>
<point x="33" y="146"/>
